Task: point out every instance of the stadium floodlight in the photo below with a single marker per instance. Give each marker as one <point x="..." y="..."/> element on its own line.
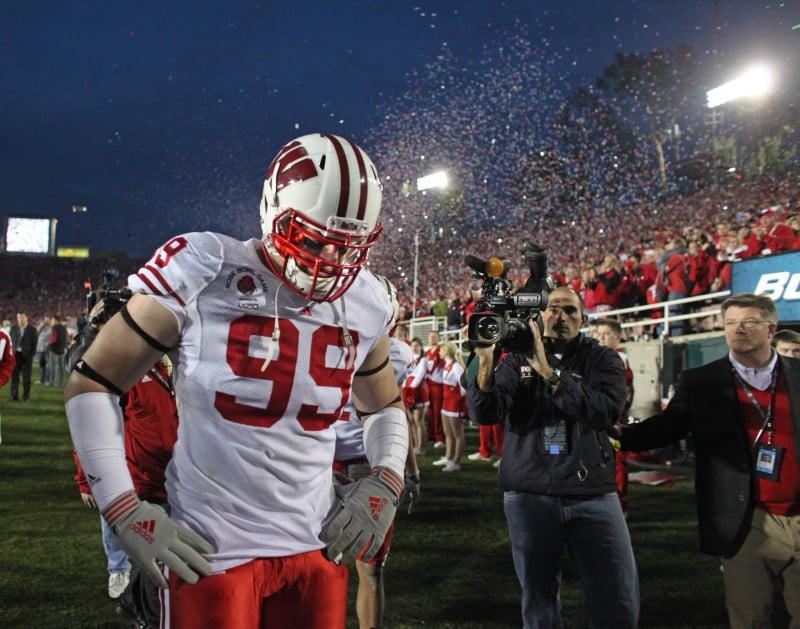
<point x="428" y="182"/>
<point x="78" y="210"/>
<point x="755" y="82"/>
<point x="434" y="180"/>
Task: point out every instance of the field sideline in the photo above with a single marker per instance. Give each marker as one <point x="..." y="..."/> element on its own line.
<point x="450" y="565"/>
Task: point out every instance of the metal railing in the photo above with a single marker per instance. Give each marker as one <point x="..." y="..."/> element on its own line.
<point x="668" y="318"/>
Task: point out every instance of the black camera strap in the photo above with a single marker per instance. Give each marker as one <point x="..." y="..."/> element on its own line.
<point x="164" y="382"/>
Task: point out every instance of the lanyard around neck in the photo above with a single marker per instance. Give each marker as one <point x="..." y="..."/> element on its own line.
<point x="766" y="414"/>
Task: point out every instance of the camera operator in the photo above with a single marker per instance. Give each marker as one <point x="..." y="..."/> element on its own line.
<point x="559" y="401"/>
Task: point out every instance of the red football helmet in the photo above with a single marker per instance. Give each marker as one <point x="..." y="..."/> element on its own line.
<point x="319" y="214"/>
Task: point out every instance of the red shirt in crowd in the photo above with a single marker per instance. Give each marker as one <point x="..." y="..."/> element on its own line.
<point x="779" y="238"/>
<point x="606" y="288"/>
<point x="701" y="272"/>
<point x="676" y="273"/>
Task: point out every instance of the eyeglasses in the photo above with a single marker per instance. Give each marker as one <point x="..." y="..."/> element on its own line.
<point x="746" y="323"/>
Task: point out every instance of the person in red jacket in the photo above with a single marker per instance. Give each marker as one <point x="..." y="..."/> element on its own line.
<point x="642" y="273"/>
<point x="675" y="271"/>
<point x="700" y="270"/>
<point x="606" y="285"/>
<point x="750" y="241"/>
<point x="794" y="223"/>
<point x="775" y="236"/>
<point x="7" y="363"/>
<point x="589" y="295"/>
<point x="609" y="334"/>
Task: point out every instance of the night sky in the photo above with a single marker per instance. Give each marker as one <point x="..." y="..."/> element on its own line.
<point x="161" y="117"/>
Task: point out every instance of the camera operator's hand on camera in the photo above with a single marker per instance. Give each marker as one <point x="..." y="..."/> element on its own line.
<point x="486" y="355"/>
<point x="538" y="360"/>
<point x="96" y="313"/>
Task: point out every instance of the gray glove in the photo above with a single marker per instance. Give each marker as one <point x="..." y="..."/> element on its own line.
<point x="368" y="506"/>
<point x="412" y="491"/>
<point x="147" y="534"/>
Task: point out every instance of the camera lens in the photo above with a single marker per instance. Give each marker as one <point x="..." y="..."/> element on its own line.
<point x="488" y="329"/>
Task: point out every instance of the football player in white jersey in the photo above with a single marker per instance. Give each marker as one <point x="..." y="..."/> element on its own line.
<point x="270" y="340"/>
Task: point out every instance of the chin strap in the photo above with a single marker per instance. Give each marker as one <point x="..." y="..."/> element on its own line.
<point x="348" y="338"/>
<point x="276" y="333"/>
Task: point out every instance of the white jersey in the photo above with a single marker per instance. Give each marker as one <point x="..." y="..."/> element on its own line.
<point x="350" y="433"/>
<point x="251" y="470"/>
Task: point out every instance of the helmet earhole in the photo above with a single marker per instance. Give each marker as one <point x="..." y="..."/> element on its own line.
<point x="322" y="162"/>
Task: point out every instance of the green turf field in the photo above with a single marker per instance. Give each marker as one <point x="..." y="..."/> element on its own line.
<point x="450" y="565"/>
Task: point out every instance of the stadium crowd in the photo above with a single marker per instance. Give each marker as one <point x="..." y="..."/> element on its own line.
<point x="41" y="285"/>
<point x="613" y="256"/>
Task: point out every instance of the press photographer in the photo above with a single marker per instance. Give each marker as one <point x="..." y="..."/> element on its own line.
<point x="113" y="298"/>
<point x="101" y="304"/>
<point x="558" y="393"/>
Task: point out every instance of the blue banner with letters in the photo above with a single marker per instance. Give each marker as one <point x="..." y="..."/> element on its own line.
<point x="777" y="276"/>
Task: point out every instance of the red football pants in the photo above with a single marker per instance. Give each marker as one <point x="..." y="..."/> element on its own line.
<point x="303" y="590"/>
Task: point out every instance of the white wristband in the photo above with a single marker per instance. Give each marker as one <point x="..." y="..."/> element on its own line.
<point x="96" y="425"/>
<point x="386" y="439"/>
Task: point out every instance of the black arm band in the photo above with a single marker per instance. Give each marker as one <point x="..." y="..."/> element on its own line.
<point x="85" y="370"/>
<point x="369" y="372"/>
<point x="361" y="415"/>
<point x="135" y="327"/>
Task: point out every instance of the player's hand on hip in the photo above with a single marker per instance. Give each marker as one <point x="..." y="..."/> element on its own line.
<point x="367" y="509"/>
<point x="147" y="534"/>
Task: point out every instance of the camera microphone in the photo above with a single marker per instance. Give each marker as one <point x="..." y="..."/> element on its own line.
<point x="475" y="263"/>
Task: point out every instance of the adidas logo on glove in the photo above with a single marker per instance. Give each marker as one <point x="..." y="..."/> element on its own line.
<point x="145" y="529"/>
<point x="376" y="505"/>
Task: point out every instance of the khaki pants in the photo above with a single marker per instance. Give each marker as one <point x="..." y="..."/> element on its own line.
<point x="769" y="556"/>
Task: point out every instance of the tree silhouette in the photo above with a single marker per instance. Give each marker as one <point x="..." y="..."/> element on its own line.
<point x="655" y="91"/>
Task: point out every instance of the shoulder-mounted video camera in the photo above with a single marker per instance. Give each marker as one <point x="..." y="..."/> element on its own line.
<point x="501" y="317"/>
<point x="114" y="298"/>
